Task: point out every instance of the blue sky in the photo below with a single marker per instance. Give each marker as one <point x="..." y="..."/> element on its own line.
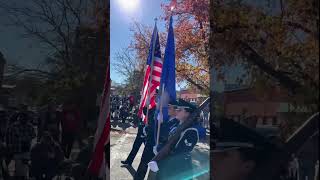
<point x="14" y="47"/>
<point x="121" y="21"/>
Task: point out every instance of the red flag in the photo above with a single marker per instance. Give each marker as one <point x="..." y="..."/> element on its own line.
<point x="97" y="166"/>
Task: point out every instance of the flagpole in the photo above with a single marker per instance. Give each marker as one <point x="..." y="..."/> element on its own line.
<point x="161" y="92"/>
<point x="161" y="115"/>
<point x="152" y="64"/>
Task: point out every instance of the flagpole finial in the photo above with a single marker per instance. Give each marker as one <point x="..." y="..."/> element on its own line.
<point x="171" y="8"/>
<point x="155" y="21"/>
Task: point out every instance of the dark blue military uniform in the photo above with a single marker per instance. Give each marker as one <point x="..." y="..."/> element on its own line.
<point x="140" y="138"/>
<point x="147" y="153"/>
<point x="168" y="126"/>
<point x="178" y="165"/>
<point x="166" y="130"/>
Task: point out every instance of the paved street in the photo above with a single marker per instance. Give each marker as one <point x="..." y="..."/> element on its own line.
<point x="121" y="144"/>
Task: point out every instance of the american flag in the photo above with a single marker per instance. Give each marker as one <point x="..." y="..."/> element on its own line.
<point x="156" y="75"/>
<point x="98" y="166"/>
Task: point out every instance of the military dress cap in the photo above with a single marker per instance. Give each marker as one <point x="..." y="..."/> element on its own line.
<point x="173" y="103"/>
<point x="233" y="135"/>
<point x="186" y="105"/>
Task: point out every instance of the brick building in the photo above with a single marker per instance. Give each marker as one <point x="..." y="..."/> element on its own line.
<point x="267" y="110"/>
<point x="191" y="95"/>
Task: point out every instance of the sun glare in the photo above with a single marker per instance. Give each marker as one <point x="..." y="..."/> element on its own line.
<point x="129" y="5"/>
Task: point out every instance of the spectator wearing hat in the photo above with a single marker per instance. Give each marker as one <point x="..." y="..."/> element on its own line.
<point x="239" y="151"/>
<point x="178" y="165"/>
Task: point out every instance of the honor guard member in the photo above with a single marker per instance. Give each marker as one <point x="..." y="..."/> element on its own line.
<point x="178" y="165"/>
<point x="140" y="138"/>
<point x="168" y="125"/>
<point x="239" y="152"/>
<point x="147" y="153"/>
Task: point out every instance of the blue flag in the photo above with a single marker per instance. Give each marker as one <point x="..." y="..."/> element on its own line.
<point x="167" y="90"/>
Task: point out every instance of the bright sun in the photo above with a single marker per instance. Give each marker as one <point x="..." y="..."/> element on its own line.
<point x="129" y="5"/>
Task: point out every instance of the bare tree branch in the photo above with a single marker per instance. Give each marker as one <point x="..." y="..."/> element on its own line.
<point x="126" y="62"/>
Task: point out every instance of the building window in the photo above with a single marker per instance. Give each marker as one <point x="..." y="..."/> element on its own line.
<point x="274" y="121"/>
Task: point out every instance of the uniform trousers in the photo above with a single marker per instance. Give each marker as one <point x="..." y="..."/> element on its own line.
<point x="136" y="145"/>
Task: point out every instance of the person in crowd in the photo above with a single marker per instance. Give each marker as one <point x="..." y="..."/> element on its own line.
<point x="45" y="158"/>
<point x="136" y="120"/>
<point x="3" y="123"/>
<point x="18" y="139"/>
<point x="50" y="121"/>
<point x="131" y="101"/>
<point x="206" y="117"/>
<point x="4" y="155"/>
<point x="71" y="125"/>
<point x="316" y="171"/>
<point x="84" y="155"/>
<point x="3" y="151"/>
<point x="123" y="113"/>
<point x="13" y="116"/>
<point x="293" y="169"/>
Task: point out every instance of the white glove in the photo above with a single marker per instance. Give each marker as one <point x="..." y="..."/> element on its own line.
<point x="153" y="166"/>
<point x="155" y="150"/>
<point x="160" y="118"/>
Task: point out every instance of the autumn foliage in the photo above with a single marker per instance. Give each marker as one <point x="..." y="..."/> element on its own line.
<point x="276" y="41"/>
<point x="191" y="30"/>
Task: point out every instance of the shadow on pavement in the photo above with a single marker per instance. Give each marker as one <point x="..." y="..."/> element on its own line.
<point x="131" y="170"/>
<point x="119" y="124"/>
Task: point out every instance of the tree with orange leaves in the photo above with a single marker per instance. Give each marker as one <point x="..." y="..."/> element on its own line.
<point x="192" y="39"/>
<point x="191" y="30"/>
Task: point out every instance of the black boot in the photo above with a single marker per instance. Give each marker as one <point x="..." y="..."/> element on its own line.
<point x="126" y="162"/>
